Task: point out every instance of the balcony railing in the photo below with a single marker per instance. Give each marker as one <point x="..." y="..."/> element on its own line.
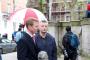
<point x="66" y="17"/>
<point x="61" y="12"/>
<point x="57" y="1"/>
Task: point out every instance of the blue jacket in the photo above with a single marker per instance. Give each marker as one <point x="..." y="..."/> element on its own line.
<point x="18" y="36"/>
<point x="47" y="44"/>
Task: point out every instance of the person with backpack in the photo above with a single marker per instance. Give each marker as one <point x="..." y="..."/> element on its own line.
<point x="70" y="44"/>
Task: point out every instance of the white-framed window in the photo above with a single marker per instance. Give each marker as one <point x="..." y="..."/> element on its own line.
<point x="53" y="17"/>
<point x="62" y="17"/>
<point x="58" y="17"/>
<point x="67" y="17"/>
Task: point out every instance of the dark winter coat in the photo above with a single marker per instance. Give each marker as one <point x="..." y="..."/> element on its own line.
<point x="47" y="44"/>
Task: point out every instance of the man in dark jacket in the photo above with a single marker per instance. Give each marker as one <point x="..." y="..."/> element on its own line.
<point x="26" y="48"/>
<point x="70" y="51"/>
<point x="45" y="41"/>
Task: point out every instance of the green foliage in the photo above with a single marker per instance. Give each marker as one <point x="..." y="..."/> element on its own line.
<point x="41" y="3"/>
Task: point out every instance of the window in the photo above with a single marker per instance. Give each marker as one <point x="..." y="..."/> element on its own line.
<point x="62" y="17"/>
<point x="68" y="18"/>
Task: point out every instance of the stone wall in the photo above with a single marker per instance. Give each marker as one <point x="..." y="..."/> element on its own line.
<point x="81" y="28"/>
<point x="53" y="30"/>
<point x="86" y="36"/>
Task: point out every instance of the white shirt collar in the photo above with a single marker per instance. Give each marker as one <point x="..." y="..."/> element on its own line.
<point x="29" y="33"/>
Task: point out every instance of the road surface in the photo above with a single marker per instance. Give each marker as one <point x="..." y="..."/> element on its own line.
<point x="9" y="56"/>
<point x="13" y="56"/>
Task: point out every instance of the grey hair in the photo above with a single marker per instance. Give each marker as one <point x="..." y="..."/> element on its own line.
<point x="42" y="55"/>
<point x="44" y="21"/>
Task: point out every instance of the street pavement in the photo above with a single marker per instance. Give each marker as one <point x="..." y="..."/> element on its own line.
<point x="13" y="56"/>
<point x="9" y="56"/>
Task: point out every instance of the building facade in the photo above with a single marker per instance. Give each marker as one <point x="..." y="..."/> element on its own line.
<point x="61" y="13"/>
<point x="8" y="7"/>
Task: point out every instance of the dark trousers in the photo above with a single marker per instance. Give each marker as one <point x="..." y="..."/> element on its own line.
<point x="71" y="56"/>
